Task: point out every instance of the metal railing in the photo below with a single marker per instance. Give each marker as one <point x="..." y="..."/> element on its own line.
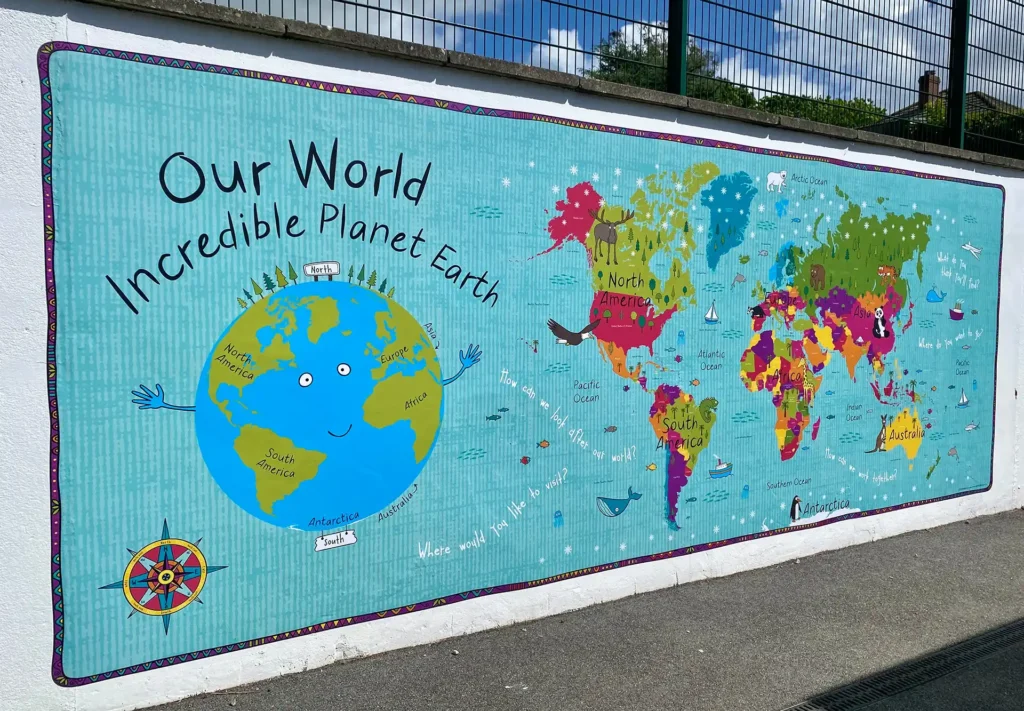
<point x="941" y="71"/>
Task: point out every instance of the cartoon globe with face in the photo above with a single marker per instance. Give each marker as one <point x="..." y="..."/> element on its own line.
<point x="319" y="405"/>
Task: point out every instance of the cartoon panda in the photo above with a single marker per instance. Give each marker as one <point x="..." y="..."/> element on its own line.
<point x="879" y="329"/>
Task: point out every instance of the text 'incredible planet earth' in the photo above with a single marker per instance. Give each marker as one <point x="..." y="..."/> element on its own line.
<point x="319" y="405"/>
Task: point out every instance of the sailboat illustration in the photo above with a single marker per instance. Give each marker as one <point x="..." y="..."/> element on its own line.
<point x="963" y="399"/>
<point x="711" y="317"/>
<point x="721" y="471"/>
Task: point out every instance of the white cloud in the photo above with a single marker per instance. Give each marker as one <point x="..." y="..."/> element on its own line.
<point x="869" y="57"/>
<point x="561" y="52"/>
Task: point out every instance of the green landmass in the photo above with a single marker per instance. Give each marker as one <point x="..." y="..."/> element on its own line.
<point x="278" y="465"/>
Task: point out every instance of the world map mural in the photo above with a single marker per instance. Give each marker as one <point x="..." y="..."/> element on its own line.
<point x="370" y="353"/>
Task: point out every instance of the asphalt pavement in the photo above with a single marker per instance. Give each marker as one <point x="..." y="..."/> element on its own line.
<point x="931" y="620"/>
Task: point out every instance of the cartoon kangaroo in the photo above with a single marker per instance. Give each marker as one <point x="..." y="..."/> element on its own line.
<point x="879" y="439"/>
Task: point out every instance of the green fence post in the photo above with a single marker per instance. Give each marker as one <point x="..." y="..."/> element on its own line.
<point x="678" y="40"/>
<point x="956" y="96"/>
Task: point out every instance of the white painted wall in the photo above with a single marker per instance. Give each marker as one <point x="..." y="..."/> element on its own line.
<point x="25" y="615"/>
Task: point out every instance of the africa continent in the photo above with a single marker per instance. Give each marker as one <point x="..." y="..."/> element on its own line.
<point x="825" y="300"/>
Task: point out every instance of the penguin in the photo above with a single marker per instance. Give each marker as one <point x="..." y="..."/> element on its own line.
<point x="879" y="327"/>
<point x="794" y="510"/>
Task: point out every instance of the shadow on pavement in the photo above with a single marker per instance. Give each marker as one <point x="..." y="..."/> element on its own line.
<point x="982" y="672"/>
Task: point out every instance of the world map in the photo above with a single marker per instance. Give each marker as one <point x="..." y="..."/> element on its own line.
<point x="309" y="349"/>
<point x="842" y="292"/>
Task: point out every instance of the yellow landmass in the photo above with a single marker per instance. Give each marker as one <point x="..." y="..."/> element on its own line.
<point x="278" y="465"/>
<point x="324" y="316"/>
<point x="905" y="431"/>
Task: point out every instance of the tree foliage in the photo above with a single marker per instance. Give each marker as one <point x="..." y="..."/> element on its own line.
<point x="642" y="61"/>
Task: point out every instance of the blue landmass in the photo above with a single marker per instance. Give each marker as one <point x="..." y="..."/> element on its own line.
<point x="728" y="200"/>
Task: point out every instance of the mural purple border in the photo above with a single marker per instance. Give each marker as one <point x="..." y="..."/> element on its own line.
<point x="43" y="58"/>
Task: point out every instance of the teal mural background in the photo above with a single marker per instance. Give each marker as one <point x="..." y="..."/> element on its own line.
<point x="491" y="195"/>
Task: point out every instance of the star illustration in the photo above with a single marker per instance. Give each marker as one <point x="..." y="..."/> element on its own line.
<point x="164" y="577"/>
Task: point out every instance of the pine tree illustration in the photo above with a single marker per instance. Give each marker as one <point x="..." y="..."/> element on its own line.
<point x="291" y="274"/>
<point x="391" y="292"/>
<point x="383" y="285"/>
<point x="256" y="289"/>
<point x="268" y="283"/>
<point x="372" y="281"/>
<point x="362" y="275"/>
<point x="282" y="282"/>
<point x="351" y="272"/>
<point x="248" y="296"/>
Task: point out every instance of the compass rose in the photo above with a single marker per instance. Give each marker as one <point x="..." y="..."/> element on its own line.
<point x="164" y="577"/>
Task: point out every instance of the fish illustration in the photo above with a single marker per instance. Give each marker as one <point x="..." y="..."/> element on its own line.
<point x="934" y="297"/>
<point x="796" y="219"/>
<point x="691" y="499"/>
<point x="975" y="251"/>
<point x="502" y="409"/>
<point x="830" y="392"/>
<point x="971" y="427"/>
<point x="953" y="453"/>
<point x="738" y="279"/>
<point x="614" y="507"/>
<point x="652" y="467"/>
<point x="695" y="382"/>
<point x="966" y="347"/>
<point x="611" y="428"/>
<point x="494" y="417"/>
<point x="974" y="312"/>
<point x="830" y="417"/>
<point x="763" y="253"/>
<point x="951" y="387"/>
<point x="543" y="444"/>
<point x="525" y="460"/>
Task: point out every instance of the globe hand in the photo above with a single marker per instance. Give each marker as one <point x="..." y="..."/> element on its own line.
<point x="471" y="357"/>
<point x="149" y="400"/>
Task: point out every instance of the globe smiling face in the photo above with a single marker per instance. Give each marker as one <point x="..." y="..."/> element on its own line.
<point x="319" y="405"/>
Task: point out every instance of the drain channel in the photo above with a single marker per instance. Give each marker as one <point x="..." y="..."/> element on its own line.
<point x="914" y="673"/>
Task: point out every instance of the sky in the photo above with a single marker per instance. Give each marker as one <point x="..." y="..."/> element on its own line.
<point x="872" y="49"/>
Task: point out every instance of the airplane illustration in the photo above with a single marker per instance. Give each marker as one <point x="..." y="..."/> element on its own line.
<point x="976" y="251"/>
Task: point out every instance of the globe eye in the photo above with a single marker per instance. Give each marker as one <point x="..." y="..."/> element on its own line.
<point x="305" y="380"/>
<point x="344" y="369"/>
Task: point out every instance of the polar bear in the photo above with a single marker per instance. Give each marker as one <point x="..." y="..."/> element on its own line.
<point x="777" y="180"/>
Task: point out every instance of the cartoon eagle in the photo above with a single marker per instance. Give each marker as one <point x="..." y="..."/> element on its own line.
<point x="567" y="337"/>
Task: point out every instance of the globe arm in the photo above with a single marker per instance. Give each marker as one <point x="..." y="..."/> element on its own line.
<point x="182" y="408"/>
<point x="455" y="377"/>
<point x="468" y="358"/>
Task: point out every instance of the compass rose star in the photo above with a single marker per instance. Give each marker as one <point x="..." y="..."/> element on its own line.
<point x="164" y="577"/>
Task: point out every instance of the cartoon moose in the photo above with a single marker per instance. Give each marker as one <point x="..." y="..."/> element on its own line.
<point x="608" y="232"/>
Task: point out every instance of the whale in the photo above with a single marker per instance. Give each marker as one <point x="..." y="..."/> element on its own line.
<point x="615" y="507"/>
<point x="934" y="297"/>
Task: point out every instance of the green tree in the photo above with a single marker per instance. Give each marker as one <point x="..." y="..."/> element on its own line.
<point x="248" y="296"/>
<point x="362" y="275"/>
<point x="268" y="283"/>
<point x="851" y="113"/>
<point x="391" y="292"/>
<point x="291" y="274"/>
<point x="383" y="285"/>
<point x="642" y="61"/>
<point x="256" y="289"/>
<point x="241" y="302"/>
<point x="282" y="282"/>
<point x="351" y="272"/>
<point x="372" y="281"/>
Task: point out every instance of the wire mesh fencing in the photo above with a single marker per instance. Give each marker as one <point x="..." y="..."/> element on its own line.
<point x="930" y="70"/>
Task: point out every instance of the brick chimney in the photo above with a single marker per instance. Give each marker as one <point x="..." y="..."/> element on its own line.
<point x="928" y="88"/>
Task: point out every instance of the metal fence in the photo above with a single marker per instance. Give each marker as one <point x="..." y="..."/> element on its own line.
<point x="942" y="71"/>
